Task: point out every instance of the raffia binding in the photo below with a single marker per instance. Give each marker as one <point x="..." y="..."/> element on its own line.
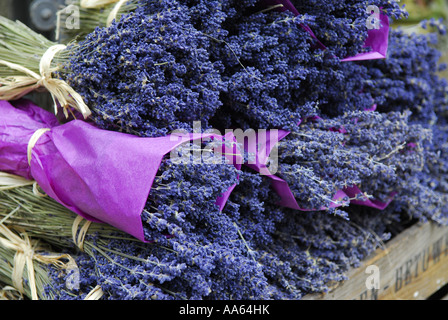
<point x="26" y="253"/>
<point x="78" y="237"/>
<point x="15" y="87"/>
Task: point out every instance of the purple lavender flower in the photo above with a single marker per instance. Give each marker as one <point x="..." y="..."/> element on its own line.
<point x="149" y="82"/>
<point x="409" y="78"/>
<point x="371" y="150"/>
<point x="341" y="25"/>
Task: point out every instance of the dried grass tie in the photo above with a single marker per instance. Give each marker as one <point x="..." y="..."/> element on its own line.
<point x="78" y="237"/>
<point x="11" y="181"/>
<point x="26" y="253"/>
<point x="15" y="87"/>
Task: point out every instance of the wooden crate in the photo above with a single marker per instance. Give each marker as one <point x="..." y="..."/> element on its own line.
<point x="412" y="266"/>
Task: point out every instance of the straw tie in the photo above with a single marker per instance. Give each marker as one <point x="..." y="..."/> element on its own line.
<point x="95" y="4"/>
<point x="113" y="14"/>
<point x="95" y="294"/>
<point x="11" y="181"/>
<point x="31" y="143"/>
<point x="33" y="140"/>
<point x="78" y="238"/>
<point x="25" y="249"/>
<point x="15" y="87"/>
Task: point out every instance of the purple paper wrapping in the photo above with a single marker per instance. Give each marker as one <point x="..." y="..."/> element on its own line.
<point x="377" y="39"/>
<point x="17" y="125"/>
<point x="265" y="143"/>
<point x="101" y="175"/>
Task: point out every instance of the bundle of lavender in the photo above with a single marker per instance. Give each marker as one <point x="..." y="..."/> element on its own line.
<point x="230" y="64"/>
<point x="196" y="249"/>
<point x="177" y="72"/>
<point x="182" y="213"/>
<point x="84" y="168"/>
<point x="363" y="157"/>
<point x="293" y="254"/>
<point x="190" y="55"/>
<point x="57" y="229"/>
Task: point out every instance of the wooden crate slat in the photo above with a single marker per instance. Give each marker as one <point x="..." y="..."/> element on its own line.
<point x="413" y="266"/>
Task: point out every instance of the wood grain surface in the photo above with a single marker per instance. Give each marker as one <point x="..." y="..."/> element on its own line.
<point x="412" y="266"/>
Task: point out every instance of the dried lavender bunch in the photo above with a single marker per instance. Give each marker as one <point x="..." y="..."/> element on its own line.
<point x="194" y="247"/>
<point x="254" y="67"/>
<point x="422" y="195"/>
<point x="295" y="254"/>
<point x="304" y="252"/>
<point x="195" y="252"/>
<point x="149" y="82"/>
<point x="165" y="66"/>
<point x="342" y="25"/>
<point x="204" y="256"/>
<point x="409" y="78"/>
<point x="276" y="78"/>
<point x="374" y="151"/>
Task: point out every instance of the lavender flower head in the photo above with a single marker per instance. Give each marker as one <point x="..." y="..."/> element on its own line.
<point x="149" y="82"/>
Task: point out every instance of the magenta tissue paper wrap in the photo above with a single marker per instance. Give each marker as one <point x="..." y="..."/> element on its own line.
<point x="377" y="40"/>
<point x="101" y="175"/>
